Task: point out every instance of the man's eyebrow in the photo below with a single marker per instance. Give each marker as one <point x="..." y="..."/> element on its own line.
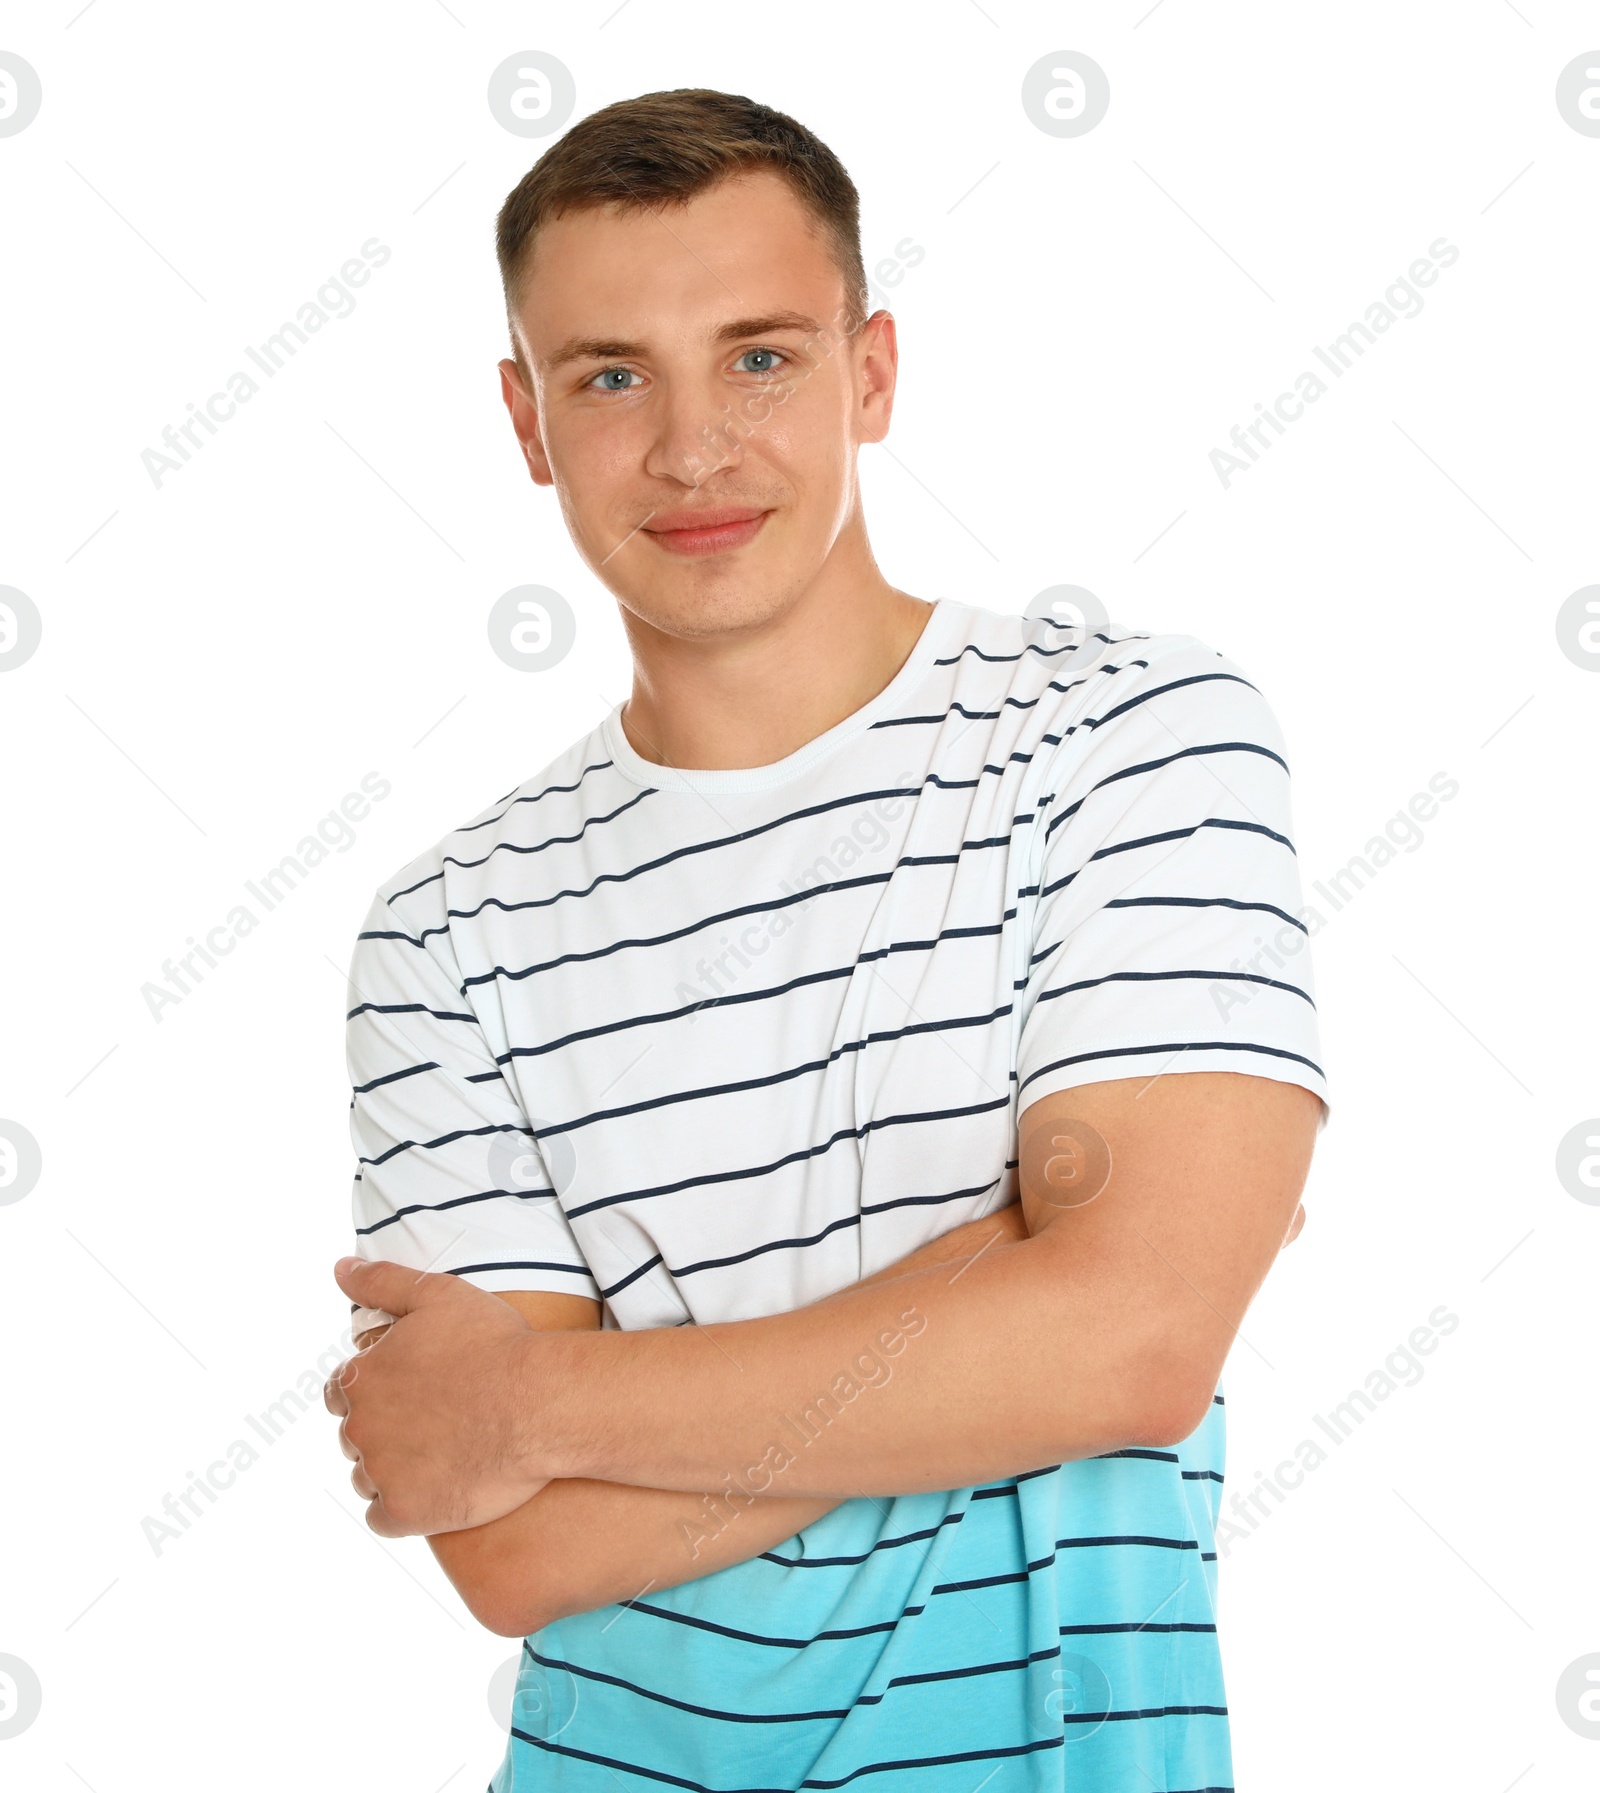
<point x="767" y="324"/>
<point x="610" y="348"/>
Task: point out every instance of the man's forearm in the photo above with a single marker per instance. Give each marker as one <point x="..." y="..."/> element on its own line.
<point x="1023" y="1355"/>
<point x="582" y="1543"/>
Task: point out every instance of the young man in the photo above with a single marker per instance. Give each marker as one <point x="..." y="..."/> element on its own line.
<point x="874" y="1070"/>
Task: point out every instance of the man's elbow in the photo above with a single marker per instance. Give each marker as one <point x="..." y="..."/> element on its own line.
<point x="507" y="1613"/>
<point x="511" y="1624"/>
<point x="501" y="1596"/>
<point x="1166" y="1400"/>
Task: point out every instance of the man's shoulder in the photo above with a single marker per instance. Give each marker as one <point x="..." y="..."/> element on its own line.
<point x="1155" y="701"/>
<point x="1131" y="664"/>
<point x="981" y="635"/>
<point x="552" y="801"/>
<point x="1089" y="677"/>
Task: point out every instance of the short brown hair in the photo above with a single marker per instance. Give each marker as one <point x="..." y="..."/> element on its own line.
<point x="665" y="148"/>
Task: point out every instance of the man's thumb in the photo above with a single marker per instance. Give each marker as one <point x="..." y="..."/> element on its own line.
<point x="392" y="1287"/>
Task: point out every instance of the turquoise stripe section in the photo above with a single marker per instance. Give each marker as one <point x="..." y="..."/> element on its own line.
<point x="1048" y="1632"/>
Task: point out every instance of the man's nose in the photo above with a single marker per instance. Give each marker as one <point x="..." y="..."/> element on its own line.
<point x="694" y="437"/>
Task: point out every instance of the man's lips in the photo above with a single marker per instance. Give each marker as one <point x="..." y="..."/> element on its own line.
<point x="705" y="532"/>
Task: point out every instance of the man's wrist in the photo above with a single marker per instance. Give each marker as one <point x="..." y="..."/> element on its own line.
<point x="552" y="1392"/>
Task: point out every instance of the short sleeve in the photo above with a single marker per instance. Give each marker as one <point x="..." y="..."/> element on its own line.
<point x="1168" y="928"/>
<point x="449" y="1176"/>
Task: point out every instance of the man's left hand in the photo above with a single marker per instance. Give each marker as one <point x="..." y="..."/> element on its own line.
<point x="434" y="1415"/>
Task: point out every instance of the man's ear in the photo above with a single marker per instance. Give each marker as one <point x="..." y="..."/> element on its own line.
<point x="525" y="422"/>
<point x="878" y="367"/>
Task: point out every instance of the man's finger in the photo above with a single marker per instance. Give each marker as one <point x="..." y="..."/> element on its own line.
<point x="334" y="1397"/>
<point x="392" y="1287"/>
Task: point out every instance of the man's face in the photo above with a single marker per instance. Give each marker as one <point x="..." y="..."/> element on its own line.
<point x="696" y="402"/>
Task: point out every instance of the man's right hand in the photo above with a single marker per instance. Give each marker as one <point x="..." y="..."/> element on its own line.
<point x="580" y="1544"/>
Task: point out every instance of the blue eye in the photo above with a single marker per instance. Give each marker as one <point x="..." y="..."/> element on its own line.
<point x="611" y="379"/>
<point x="769" y="356"/>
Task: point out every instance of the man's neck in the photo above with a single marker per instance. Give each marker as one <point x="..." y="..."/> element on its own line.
<point x="753" y="697"/>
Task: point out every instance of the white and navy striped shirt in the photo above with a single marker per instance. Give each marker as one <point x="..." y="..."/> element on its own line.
<point x="710" y="1045"/>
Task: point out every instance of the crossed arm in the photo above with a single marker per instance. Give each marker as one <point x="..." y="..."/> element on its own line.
<point x="556" y="1469"/>
<point x="580" y="1543"/>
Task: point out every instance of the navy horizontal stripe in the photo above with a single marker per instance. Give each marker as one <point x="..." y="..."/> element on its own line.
<point x="750" y="1172"/>
<point x="1156" y="977"/>
<point x="519" y="1264"/>
<point x="770" y="1641"/>
<point x="512" y="799"/>
<point x="949" y="1758"/>
<point x="522" y="849"/>
<point x="1158" y="765"/>
<point x="1178" y="902"/>
<point x="851" y="1562"/>
<point x="665" y="1699"/>
<point x="1135" y="1625"/>
<point x="443" y="1139"/>
<point x="366" y="1089"/>
<point x="1170" y="834"/>
<point x="1039" y="648"/>
<point x="406" y="1008"/>
<point x="693" y="1786"/>
<point x="742" y="1086"/>
<point x="1110" y="1053"/>
<point x="455" y="1201"/>
<point x="661" y="860"/>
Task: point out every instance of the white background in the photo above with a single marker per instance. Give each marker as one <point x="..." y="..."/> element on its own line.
<point x="226" y="655"/>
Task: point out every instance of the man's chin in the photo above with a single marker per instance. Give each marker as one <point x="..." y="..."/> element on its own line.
<point x="702" y="609"/>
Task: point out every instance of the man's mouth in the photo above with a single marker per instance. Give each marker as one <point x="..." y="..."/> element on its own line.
<point x="705" y="532"/>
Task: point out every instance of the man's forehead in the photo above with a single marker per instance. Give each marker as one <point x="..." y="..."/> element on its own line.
<point x="742" y="258"/>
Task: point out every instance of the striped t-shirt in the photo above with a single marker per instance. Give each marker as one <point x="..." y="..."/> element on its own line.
<point x="710" y="1045"/>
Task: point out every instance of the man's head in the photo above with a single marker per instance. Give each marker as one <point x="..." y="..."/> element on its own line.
<point x="688" y="312"/>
